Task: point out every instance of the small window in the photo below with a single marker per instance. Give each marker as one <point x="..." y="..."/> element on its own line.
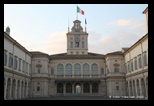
<point x="38" y="70"/>
<point x="82" y="44"/>
<point x="116" y="82"/>
<point x="115" y="60"/>
<point x="82" y="52"/>
<point x="10" y="60"/>
<point x="117" y="88"/>
<point x="5" y="57"/>
<point x="38" y="88"/>
<point x="77" y="52"/>
<point x="71" y="44"/>
<point x="71" y="52"/>
<point x="52" y="71"/>
<point x="15" y="62"/>
<point x="116" y="70"/>
<point x="38" y="83"/>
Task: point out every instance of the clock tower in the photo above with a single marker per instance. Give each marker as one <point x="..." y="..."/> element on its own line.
<point x="77" y="40"/>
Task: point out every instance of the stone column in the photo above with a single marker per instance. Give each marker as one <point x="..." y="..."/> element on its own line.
<point x="90" y="88"/>
<point x="129" y="89"/>
<point x="141" y="94"/>
<point x="136" y="88"/>
<point x="64" y="88"/>
<point x="81" y="88"/>
<point x="5" y="88"/>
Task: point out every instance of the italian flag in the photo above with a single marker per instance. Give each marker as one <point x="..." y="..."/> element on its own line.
<point x="80" y="11"/>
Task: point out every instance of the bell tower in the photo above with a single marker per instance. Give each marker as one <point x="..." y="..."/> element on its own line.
<point x="77" y="40"/>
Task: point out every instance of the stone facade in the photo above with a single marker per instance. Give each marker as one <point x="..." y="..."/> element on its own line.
<point x="76" y="72"/>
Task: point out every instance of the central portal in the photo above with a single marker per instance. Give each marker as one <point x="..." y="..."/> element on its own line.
<point x="77" y="89"/>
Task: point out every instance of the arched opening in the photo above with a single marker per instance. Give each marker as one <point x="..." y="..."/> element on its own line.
<point x="25" y="90"/>
<point x="13" y="89"/>
<point x="85" y="70"/>
<point x="68" y="72"/>
<point x="77" y="88"/>
<point x="134" y="88"/>
<point x="131" y="90"/>
<point x="77" y="70"/>
<point x="22" y="88"/>
<point x="143" y="87"/>
<point x="60" y="88"/>
<point x="94" y="69"/>
<point x="127" y="89"/>
<point x="94" y="88"/>
<point x="137" y="85"/>
<point x="86" y="88"/>
<point x="8" y="90"/>
<point x="18" y="90"/>
<point x="68" y="88"/>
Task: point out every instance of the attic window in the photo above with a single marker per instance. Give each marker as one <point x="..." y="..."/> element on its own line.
<point x="115" y="60"/>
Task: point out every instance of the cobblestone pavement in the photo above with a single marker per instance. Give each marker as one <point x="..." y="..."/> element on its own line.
<point x="79" y="98"/>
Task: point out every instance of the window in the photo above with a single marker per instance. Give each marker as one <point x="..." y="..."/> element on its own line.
<point x="71" y="52"/>
<point x="139" y="60"/>
<point x="145" y="58"/>
<point x="23" y="62"/>
<point x="77" y="69"/>
<point x="94" y="68"/>
<point x="68" y="69"/>
<point x="71" y="44"/>
<point x="102" y="71"/>
<point x="38" y="83"/>
<point x="19" y="64"/>
<point x="10" y="60"/>
<point x="38" y="70"/>
<point x="30" y="67"/>
<point x="60" y="69"/>
<point x="52" y="71"/>
<point x="116" y="70"/>
<point x="77" y="52"/>
<point x="132" y="65"/>
<point x="135" y="63"/>
<point x="82" y="52"/>
<point x="15" y="62"/>
<point x="82" y="44"/>
<point x="117" y="88"/>
<point x="85" y="69"/>
<point x="126" y="68"/>
<point x="26" y="67"/>
<point x="5" y="57"/>
<point x="76" y="44"/>
<point x="38" y="88"/>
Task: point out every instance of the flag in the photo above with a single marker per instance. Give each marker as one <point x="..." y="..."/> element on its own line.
<point x="85" y="21"/>
<point x="80" y="11"/>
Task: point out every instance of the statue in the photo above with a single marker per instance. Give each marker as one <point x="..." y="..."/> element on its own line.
<point x="7" y="30"/>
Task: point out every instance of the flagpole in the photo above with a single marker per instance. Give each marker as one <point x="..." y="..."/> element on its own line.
<point x="76" y="12"/>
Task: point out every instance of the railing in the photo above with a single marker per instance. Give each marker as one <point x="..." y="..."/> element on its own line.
<point x="76" y="76"/>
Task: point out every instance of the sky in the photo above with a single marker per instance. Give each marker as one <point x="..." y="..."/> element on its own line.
<point x="43" y="27"/>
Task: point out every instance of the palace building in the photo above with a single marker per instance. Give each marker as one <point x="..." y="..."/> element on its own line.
<point x="77" y="72"/>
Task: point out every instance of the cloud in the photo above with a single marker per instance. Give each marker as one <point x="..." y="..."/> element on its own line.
<point x="122" y="22"/>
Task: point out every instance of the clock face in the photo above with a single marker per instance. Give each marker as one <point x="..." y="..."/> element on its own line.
<point x="77" y="37"/>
